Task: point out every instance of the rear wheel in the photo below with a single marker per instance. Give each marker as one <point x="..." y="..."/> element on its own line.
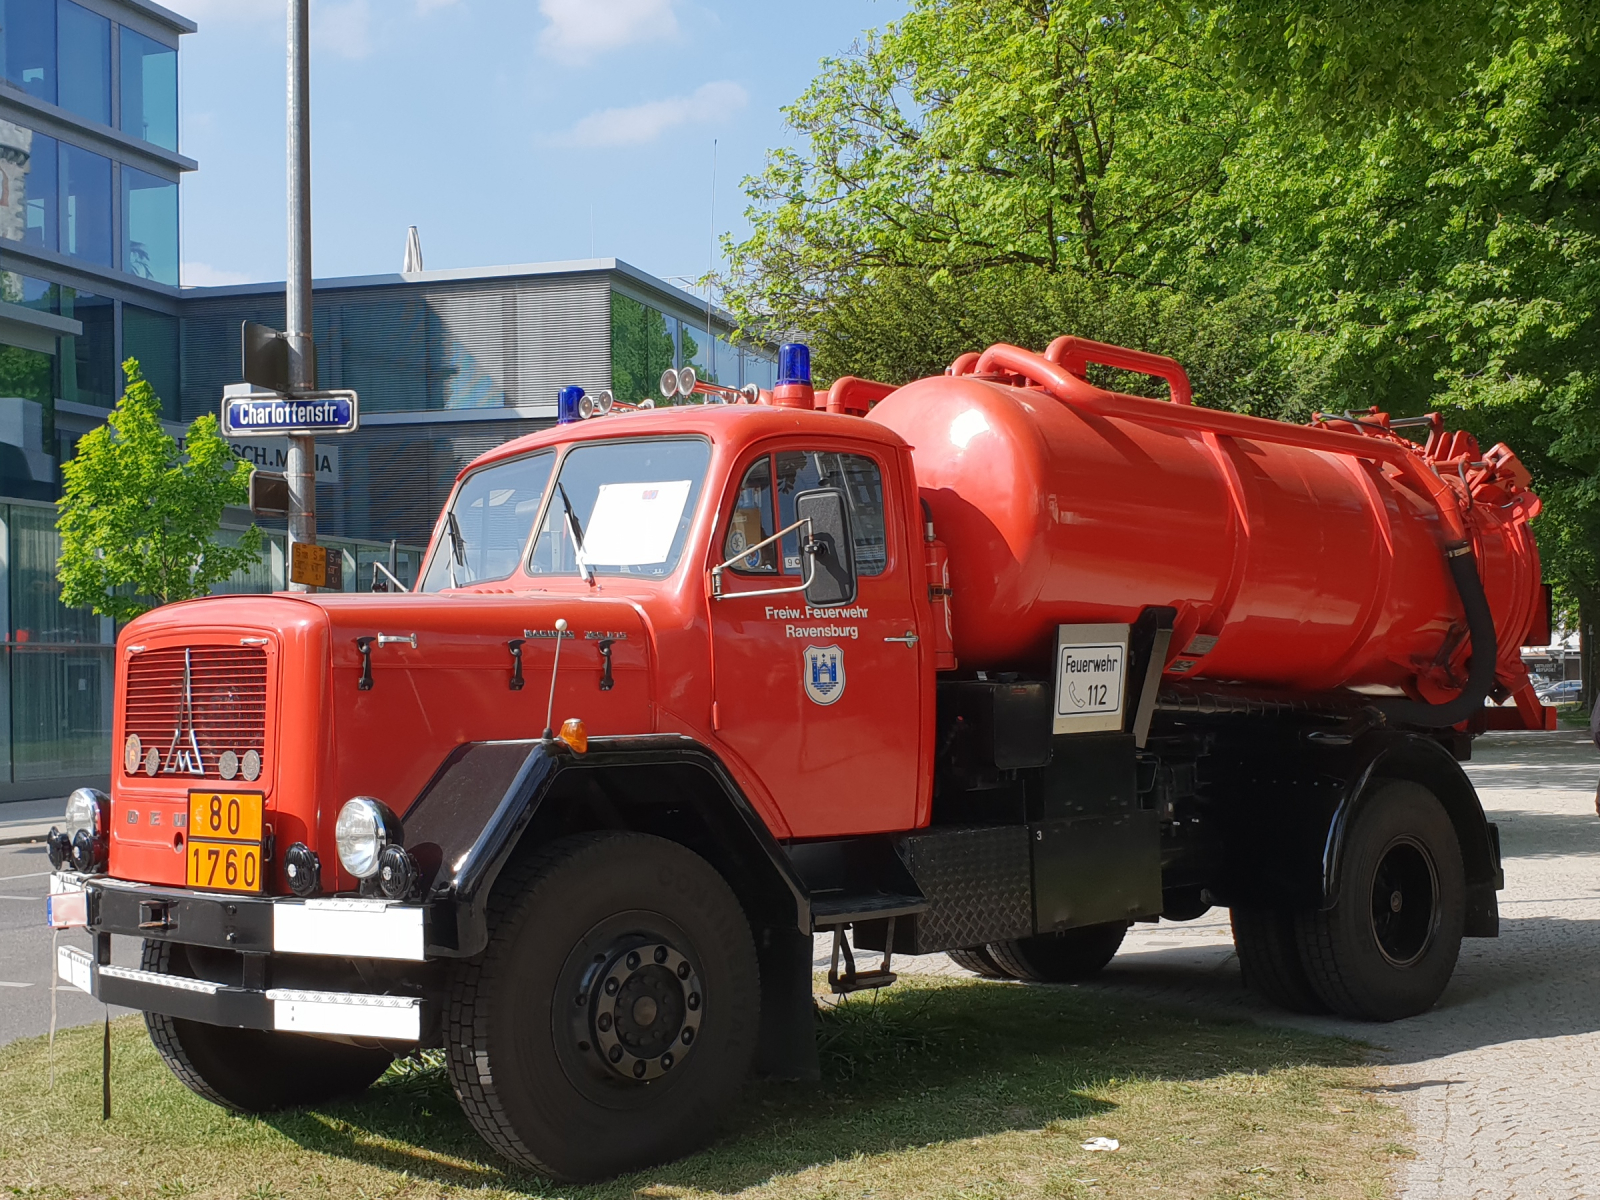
<point x="1269" y="957"/>
<point x="979" y="961"/>
<point x="1068" y="957"/>
<point x="613" y="1016"/>
<point x="1388" y="946"/>
<point x="254" y="1070"/>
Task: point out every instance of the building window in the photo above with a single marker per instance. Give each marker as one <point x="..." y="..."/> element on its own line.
<point x="149" y="90"/>
<point x="149" y="226"/>
<point x="152" y="338"/>
<point x="85" y="62"/>
<point x="641" y="348"/>
<point x="29" y="204"/>
<point x="28" y="42"/>
<point x="85" y="204"/>
<point x="88" y="364"/>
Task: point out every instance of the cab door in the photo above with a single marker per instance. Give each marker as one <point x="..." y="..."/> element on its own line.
<point x="824" y="704"/>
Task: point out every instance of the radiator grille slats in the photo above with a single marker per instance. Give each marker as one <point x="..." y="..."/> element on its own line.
<point x="227" y="702"/>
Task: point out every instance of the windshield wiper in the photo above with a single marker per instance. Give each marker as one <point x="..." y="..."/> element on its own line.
<point x="575" y="532"/>
<point x="458" y="545"/>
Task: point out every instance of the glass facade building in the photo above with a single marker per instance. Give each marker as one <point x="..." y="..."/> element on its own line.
<point x="89" y="254"/>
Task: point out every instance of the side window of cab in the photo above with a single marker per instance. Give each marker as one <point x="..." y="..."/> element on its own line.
<point x="751" y="523"/>
<point x="859" y="478"/>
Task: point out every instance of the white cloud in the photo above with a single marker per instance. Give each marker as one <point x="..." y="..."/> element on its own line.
<point x="345" y="29"/>
<point x="198" y="274"/>
<point x="640" y="123"/>
<point x="579" y="29"/>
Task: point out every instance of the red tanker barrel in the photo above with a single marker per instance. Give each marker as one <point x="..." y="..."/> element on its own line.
<point x="1291" y="568"/>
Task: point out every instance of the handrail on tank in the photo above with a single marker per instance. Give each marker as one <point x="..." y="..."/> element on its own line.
<point x="1076" y="353"/>
<point x="1071" y="389"/>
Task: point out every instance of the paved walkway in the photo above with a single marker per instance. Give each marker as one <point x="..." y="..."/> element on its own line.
<point x="1502" y="1079"/>
<point x="29" y="820"/>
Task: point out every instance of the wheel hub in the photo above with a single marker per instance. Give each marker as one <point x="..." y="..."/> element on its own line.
<point x="1405" y="902"/>
<point x="645" y="1004"/>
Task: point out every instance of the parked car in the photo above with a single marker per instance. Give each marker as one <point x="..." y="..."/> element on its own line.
<point x="1564" y="691"/>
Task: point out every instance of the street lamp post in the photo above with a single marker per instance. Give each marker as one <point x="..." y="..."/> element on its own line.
<point x="300" y="470"/>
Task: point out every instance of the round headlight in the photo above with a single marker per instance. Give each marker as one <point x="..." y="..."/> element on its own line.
<point x="86" y="812"/>
<point x="364" y="830"/>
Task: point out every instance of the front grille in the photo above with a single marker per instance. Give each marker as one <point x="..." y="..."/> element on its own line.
<point x="226" y="707"/>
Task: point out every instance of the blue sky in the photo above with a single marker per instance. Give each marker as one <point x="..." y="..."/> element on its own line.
<point x="508" y="131"/>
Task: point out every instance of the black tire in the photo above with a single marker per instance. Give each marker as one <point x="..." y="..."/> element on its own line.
<point x="1269" y="958"/>
<point x="979" y="961"/>
<point x="1068" y="957"/>
<point x="1388" y="946"/>
<point x="254" y="1070"/>
<point x="534" y="1029"/>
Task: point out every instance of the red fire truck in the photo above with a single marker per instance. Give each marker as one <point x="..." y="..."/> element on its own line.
<point x="995" y="663"/>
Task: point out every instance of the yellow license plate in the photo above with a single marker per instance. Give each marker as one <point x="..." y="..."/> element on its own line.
<point x="224" y="844"/>
<point x="230" y="816"/>
<point x="224" y="866"/>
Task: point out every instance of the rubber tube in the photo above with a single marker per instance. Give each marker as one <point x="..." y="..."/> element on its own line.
<point x="1485" y="650"/>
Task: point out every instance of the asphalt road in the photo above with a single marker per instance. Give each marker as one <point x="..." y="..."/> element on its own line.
<point x="26" y="961"/>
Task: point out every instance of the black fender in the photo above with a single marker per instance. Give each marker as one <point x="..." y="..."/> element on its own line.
<point x="488" y="800"/>
<point x="1285" y="809"/>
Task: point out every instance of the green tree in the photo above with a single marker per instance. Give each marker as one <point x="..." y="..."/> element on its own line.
<point x="1449" y="257"/>
<point x="139" y="517"/>
<point x="974" y="135"/>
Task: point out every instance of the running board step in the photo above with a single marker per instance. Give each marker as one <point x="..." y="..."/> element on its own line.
<point x="830" y="910"/>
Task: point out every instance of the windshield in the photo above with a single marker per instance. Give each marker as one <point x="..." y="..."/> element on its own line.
<point x="621" y="508"/>
<point x="487" y="526"/>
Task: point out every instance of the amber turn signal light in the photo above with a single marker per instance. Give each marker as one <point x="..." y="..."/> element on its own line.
<point x="575" y="735"/>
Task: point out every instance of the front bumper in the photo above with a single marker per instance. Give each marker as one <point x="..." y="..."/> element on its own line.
<point x="287" y="1010"/>
<point x="258" y="928"/>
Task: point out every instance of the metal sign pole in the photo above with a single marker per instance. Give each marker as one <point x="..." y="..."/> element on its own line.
<point x="300" y="468"/>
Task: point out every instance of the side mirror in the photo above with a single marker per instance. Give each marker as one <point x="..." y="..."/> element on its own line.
<point x="831" y="550"/>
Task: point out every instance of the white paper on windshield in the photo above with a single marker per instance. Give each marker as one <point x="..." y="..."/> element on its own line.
<point x="634" y="524"/>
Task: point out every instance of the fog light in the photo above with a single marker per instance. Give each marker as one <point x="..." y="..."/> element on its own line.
<point x="364" y="830"/>
<point x="397" y="872"/>
<point x="304" y="870"/>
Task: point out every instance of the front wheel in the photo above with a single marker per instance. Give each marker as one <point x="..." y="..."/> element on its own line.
<point x="1068" y="957"/>
<point x="1388" y="946"/>
<point x="612" y="1019"/>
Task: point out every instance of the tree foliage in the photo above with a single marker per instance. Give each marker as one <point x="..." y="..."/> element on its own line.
<point x="139" y="516"/>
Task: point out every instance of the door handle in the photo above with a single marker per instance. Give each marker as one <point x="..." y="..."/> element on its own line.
<point x="910" y="639"/>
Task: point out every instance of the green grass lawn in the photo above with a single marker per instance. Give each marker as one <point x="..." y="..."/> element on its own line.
<point x="934" y="1088"/>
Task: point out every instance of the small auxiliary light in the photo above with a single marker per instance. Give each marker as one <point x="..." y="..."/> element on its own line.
<point x="304" y="870"/>
<point x="568" y="406"/>
<point x="669" y="383"/>
<point x="575" y="734"/>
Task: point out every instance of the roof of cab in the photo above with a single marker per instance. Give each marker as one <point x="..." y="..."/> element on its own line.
<point x="734" y="424"/>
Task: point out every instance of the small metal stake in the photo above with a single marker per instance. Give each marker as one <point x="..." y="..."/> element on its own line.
<point x="105" y="1072"/>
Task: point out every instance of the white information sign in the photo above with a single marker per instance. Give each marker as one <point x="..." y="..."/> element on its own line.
<point x="1091" y="677"/>
<point x="634" y="524"/>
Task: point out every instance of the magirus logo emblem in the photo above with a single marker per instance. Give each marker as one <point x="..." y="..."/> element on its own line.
<point x="183" y="756"/>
